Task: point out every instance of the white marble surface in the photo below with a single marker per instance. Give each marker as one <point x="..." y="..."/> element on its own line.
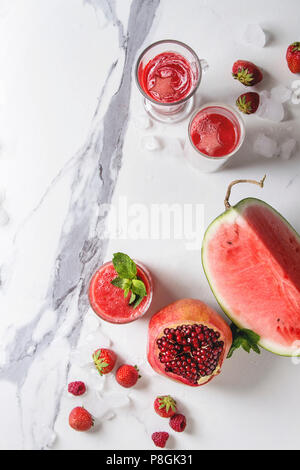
<point x="67" y="107"/>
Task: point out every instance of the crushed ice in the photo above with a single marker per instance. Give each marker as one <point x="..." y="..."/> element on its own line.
<point x="151" y="143"/>
<point x="295" y="92"/>
<point x="254" y="35"/>
<point x="265" y="146"/>
<point x="270" y="108"/>
<point x="281" y="93"/>
<point x="287" y="149"/>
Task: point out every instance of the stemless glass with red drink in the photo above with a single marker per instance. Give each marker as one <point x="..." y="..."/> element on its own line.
<point x="216" y="132"/>
<point x="168" y="74"/>
<point x="109" y="302"/>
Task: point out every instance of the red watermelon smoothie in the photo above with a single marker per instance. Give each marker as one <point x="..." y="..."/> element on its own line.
<point x="108" y="301"/>
<point x="216" y="133"/>
<point x="167" y="78"/>
<point x="168" y="73"/>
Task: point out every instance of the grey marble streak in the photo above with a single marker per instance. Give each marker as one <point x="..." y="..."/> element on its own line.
<point x="81" y="248"/>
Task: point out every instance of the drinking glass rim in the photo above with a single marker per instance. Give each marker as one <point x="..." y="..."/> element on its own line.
<point x="172" y="41"/>
<point x="239" y="119"/>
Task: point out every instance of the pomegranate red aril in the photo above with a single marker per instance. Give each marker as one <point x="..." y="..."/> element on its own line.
<point x="208" y="355"/>
<point x="188" y="342"/>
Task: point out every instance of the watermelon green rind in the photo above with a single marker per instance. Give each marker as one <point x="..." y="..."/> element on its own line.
<point x="233" y="212"/>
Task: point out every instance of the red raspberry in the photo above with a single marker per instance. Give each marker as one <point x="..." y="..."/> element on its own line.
<point x="160" y="438"/>
<point x="77" y="388"/>
<point x="178" y="422"/>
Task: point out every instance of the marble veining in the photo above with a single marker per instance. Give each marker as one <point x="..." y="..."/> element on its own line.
<point x="95" y="171"/>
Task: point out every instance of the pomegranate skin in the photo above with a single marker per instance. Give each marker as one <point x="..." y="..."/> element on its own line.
<point x="186" y="311"/>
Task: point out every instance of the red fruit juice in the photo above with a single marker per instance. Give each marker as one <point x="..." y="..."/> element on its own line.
<point x="167" y="78"/>
<point x="214" y="133"/>
<point x="108" y="301"/>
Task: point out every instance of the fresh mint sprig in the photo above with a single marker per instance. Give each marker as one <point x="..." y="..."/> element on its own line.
<point x="127" y="279"/>
<point x="243" y="338"/>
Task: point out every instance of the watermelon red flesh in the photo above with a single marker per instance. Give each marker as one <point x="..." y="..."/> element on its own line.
<point x="251" y="257"/>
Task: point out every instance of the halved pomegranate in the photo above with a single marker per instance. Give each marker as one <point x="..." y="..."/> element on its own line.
<point x="188" y="342"/>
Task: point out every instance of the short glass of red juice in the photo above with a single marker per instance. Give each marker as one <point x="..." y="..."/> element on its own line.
<point x="216" y="133"/>
<point x="168" y="74"/>
<point x="108" y="301"/>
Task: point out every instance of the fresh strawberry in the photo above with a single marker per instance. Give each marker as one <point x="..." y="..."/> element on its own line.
<point x="248" y="102"/>
<point x="160" y="438"/>
<point x="165" y="406"/>
<point x="104" y="360"/>
<point x="246" y="72"/>
<point x="80" y="419"/>
<point x="76" y="388"/>
<point x="178" y="422"/>
<point x="127" y="376"/>
<point x="293" y="57"/>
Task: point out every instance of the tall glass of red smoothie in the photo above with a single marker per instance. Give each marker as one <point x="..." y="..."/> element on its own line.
<point x="216" y="133"/>
<point x="168" y="74"/>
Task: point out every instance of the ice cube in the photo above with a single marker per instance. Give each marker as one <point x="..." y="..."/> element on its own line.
<point x="95" y="381"/>
<point x="4" y="217"/>
<point x="91" y="323"/>
<point x="287" y="149"/>
<point x="142" y="121"/>
<point x="269" y="108"/>
<point x="281" y="93"/>
<point x="151" y="143"/>
<point x="295" y="85"/>
<point x="204" y="65"/>
<point x="265" y="146"/>
<point x="296" y="96"/>
<point x="82" y="356"/>
<point x="108" y="415"/>
<point x="254" y="35"/>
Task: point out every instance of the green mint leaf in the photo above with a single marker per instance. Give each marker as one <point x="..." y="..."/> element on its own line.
<point x="125" y="266"/>
<point x="137" y="302"/>
<point x="126" y="291"/>
<point x="127" y="279"/>
<point x="121" y="283"/>
<point x="244" y="338"/>
<point x="138" y="288"/>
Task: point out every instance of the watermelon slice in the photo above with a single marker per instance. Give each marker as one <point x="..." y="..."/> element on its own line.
<point x="251" y="258"/>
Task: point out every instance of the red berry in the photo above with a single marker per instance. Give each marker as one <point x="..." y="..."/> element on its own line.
<point x="293" y="57"/>
<point x="104" y="360"/>
<point x="80" y="419"/>
<point x="77" y="388"/>
<point x="178" y="422"/>
<point x="248" y="102"/>
<point x="160" y="438"/>
<point x="165" y="406"/>
<point x="246" y="72"/>
<point x="127" y="375"/>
